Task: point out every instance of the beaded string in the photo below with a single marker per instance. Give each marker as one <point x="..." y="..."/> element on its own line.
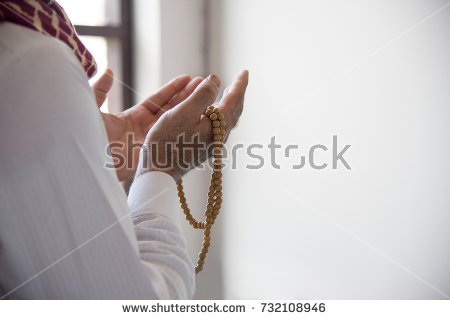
<point x="215" y="189"/>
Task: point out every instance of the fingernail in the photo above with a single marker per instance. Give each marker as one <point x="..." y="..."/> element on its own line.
<point x="244" y="72"/>
<point x="214" y="79"/>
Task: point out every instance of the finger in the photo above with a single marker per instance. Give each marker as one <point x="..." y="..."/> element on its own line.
<point x="235" y="92"/>
<point x="186" y="92"/>
<point x="225" y="92"/>
<point x="232" y="102"/>
<point x="182" y="95"/>
<point x="203" y="96"/>
<point x="102" y="86"/>
<point x="156" y="101"/>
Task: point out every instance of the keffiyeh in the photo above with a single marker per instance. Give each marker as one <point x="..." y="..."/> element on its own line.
<point x="49" y="18"/>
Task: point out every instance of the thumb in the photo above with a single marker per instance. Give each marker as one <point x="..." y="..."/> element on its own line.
<point x="102" y="86"/>
<point x="203" y="96"/>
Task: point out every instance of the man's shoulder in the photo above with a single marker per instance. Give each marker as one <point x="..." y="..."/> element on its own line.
<point x="17" y="41"/>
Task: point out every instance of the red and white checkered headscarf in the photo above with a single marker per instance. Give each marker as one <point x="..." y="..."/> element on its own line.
<point x="49" y="18"/>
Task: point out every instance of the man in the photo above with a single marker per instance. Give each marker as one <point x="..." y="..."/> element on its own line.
<point x="66" y="229"/>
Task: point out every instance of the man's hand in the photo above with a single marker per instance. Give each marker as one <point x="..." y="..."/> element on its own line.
<point x="186" y="119"/>
<point x="102" y="86"/>
<point x="127" y="130"/>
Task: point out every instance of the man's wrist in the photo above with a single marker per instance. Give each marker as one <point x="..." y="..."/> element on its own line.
<point x="172" y="173"/>
<point x="150" y="161"/>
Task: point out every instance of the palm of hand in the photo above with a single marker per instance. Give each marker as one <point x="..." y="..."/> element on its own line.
<point x="127" y="130"/>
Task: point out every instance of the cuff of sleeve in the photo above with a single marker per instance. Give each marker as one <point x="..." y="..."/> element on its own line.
<point x="154" y="192"/>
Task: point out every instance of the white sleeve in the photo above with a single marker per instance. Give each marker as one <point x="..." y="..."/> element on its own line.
<point x="66" y="230"/>
<point x="159" y="234"/>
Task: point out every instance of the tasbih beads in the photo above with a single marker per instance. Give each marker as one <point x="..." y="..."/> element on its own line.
<point x="215" y="189"/>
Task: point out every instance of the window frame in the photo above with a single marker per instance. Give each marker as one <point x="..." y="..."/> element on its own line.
<point x="123" y="34"/>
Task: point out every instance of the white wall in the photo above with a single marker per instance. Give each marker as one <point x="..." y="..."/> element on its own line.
<point x="361" y="70"/>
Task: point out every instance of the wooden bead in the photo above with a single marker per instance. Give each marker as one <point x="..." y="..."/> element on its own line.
<point x="200" y="263"/>
<point x="209" y="213"/>
<point x="217" y="151"/>
<point x="215" y="189"/>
